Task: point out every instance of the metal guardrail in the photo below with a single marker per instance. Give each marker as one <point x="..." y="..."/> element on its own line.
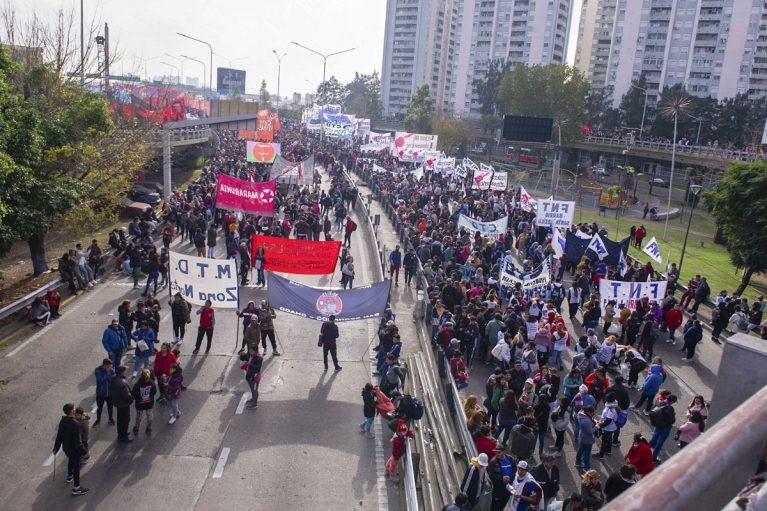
<point x="22" y="303"/>
<point x="703" y="151"/>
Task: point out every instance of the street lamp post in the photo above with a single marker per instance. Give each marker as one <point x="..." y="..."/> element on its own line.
<point x="694" y="190"/>
<point x="324" y="68"/>
<point x="180" y="61"/>
<point x="279" y="72"/>
<point x="210" y="82"/>
<point x="203" y="67"/>
<point x="671" y="178"/>
<point x="644" y="110"/>
<point x="178" y="79"/>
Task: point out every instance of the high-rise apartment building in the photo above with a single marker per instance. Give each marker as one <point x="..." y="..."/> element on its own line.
<point x="715" y="48"/>
<point x="448" y="44"/>
<point x="418" y="50"/>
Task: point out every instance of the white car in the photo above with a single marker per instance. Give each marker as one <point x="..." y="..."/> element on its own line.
<point x="600" y="171"/>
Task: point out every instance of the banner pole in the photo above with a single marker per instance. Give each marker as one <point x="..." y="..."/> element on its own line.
<point x="237" y="315"/>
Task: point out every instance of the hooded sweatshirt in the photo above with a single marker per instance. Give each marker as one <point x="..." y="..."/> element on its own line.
<point x="653" y="381"/>
<point x="609" y="414"/>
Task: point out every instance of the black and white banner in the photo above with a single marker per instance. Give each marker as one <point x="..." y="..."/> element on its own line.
<point x="555" y="213"/>
<point x="490" y="229"/>
<point x="535" y="279"/>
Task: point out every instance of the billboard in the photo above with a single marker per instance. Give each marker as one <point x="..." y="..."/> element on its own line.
<point x="527" y="129"/>
<point x="230" y="81"/>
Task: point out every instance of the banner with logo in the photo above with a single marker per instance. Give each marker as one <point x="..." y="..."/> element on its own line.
<point x="362" y="128"/>
<point x="555" y="213"/>
<point x="338" y="125"/>
<point x="575" y="248"/>
<point x="430" y="158"/>
<point x="444" y="166"/>
<point x="653" y="250"/>
<point x="403" y="140"/>
<point x="261" y="152"/>
<point x="500" y="181"/>
<point x="363" y="302"/>
<point x="630" y="293"/>
<point x="265" y="126"/>
<point x="482" y="178"/>
<point x="245" y="196"/>
<point x="303" y="257"/>
<point x="301" y="173"/>
<point x="201" y="278"/>
<point x="532" y="280"/>
<point x="526" y="201"/>
<point x="491" y="229"/>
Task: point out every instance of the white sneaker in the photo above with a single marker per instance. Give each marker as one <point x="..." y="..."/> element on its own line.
<point x="172" y="419"/>
<point x="180" y="341"/>
<point x="685" y="359"/>
<point x="135" y="373"/>
<point x="90" y="284"/>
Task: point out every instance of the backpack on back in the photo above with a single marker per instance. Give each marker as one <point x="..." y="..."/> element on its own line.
<point x="622" y="418"/>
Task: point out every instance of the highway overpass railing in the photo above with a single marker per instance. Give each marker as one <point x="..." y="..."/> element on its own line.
<point x="699" y="150"/>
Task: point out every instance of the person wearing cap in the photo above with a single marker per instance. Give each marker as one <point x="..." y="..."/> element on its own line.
<point x="474" y="479"/>
<point x="500" y="470"/>
<point x="399" y="441"/>
<point x="526" y="492"/>
<point x="581" y="399"/>
<point x="455" y="345"/>
<point x="328" y="338"/>
<point x="114" y="340"/>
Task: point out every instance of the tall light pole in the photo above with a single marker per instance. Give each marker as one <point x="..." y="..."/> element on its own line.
<point x="174" y="67"/>
<point x="676" y="105"/>
<point x="279" y="66"/>
<point x="644" y="110"/>
<point x="180" y="62"/>
<point x="694" y="190"/>
<point x="324" y="68"/>
<point x="700" y="121"/>
<point x="210" y="82"/>
<point x="203" y="67"/>
<point x="229" y="61"/>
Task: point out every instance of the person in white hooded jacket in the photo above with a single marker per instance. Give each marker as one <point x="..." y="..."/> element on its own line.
<point x="502" y="353"/>
<point x="607" y="425"/>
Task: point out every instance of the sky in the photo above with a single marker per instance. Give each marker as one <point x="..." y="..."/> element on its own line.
<point x="245" y="31"/>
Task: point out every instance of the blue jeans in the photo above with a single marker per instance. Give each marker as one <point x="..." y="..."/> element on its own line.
<point x="555" y="359"/>
<point x="716" y="332"/>
<point x="152" y="277"/>
<point x="583" y="457"/>
<point x="142" y="359"/>
<point x="367" y="424"/>
<point x="211" y="251"/>
<point x="541" y="439"/>
<point x="174" y="412"/>
<point x="261" y="278"/>
<point x="671" y="332"/>
<point x="117" y="356"/>
<point x="659" y="437"/>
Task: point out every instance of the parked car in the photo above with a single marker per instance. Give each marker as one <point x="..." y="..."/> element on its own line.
<point x="660" y="183"/>
<point x="600" y="171"/>
<point x="151" y="198"/>
<point x="148" y="187"/>
<point x="131" y="209"/>
<point x="479" y="149"/>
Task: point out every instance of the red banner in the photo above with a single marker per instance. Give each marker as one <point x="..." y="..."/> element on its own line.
<point x="261" y="152"/>
<point x="297" y="256"/>
<point x="246" y="196"/>
<point x="265" y="126"/>
<point x="247" y="135"/>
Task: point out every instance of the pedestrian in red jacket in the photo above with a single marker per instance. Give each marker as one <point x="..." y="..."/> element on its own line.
<point x="640" y="455"/>
<point x="398" y="443"/>
<point x="673" y="319"/>
<point x="162" y="367"/>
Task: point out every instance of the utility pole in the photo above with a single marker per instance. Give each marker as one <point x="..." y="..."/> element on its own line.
<point x="106" y="60"/>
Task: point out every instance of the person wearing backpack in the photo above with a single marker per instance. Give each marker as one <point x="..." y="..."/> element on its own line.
<point x="621" y="394"/>
<point x="662" y="419"/>
<point x="691" y="339"/>
<point x="608" y="425"/>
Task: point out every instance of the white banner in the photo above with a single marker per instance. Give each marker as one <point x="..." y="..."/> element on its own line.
<point x="460" y="171"/>
<point x="200" y="278"/>
<point x="378" y="169"/>
<point x="420" y="141"/>
<point x="430" y="158"/>
<point x="526" y="201"/>
<point x="490" y="229"/>
<point x="444" y="166"/>
<point x="555" y="213"/>
<point x="630" y="293"/>
<point x="529" y="281"/>
<point x="598" y="246"/>
<point x="482" y="178"/>
<point x="558" y="243"/>
<point x="500" y="181"/>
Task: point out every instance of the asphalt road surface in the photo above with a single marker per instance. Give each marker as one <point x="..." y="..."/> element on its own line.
<point x="301" y="448"/>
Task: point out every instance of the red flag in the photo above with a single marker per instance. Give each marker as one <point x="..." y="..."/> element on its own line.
<point x="297" y="256"/>
<point x="265" y="126"/>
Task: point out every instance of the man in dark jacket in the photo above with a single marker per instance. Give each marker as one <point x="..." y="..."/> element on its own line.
<point x="547" y="475"/>
<point x="620" y="481"/>
<point x="328" y="338"/>
<point x="122" y="399"/>
<point x="70" y="438"/>
<point x="501" y="470"/>
<point x="662" y="419"/>
<point x="692" y="337"/>
<point x="411" y="264"/>
<point x="701" y="294"/>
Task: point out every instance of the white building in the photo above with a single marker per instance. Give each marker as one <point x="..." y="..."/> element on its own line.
<point x="715" y="48"/>
<point x="448" y="44"/>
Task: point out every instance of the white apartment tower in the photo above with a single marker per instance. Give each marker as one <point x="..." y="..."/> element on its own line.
<point x="715" y="48"/>
<point x="418" y="49"/>
<point x="449" y="43"/>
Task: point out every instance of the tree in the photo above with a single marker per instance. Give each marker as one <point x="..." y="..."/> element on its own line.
<point x="599" y="111"/>
<point x="452" y="133"/>
<point x="632" y="105"/>
<point x="741" y="121"/>
<point x="554" y="90"/>
<point x="739" y="203"/>
<point x="363" y="96"/>
<point x="487" y="88"/>
<point x="419" y="111"/>
<point x="331" y="92"/>
<point x="264" y="99"/>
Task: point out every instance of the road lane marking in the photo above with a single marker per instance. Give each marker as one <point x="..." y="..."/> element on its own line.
<point x="219" y="470"/>
<point x="241" y="406"/>
<point x="49" y="460"/>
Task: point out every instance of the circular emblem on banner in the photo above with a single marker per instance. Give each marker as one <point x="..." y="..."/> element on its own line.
<point x="263" y="152"/>
<point x="329" y="303"/>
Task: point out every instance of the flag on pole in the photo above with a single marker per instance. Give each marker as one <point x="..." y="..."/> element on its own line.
<point x="622" y="266"/>
<point x="598" y="246"/>
<point x="582" y="235"/>
<point x="653" y="250"/>
<point x="668" y="261"/>
<point x="558" y="243"/>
